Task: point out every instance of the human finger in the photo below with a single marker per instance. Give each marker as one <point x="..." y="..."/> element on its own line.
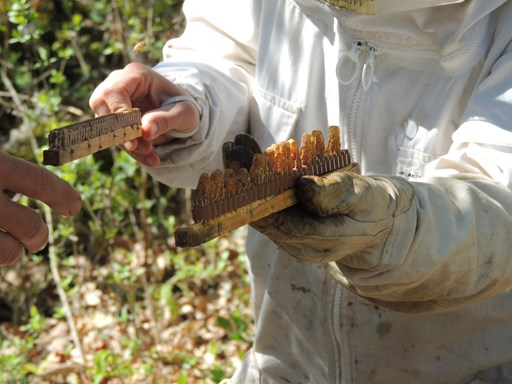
<point x="130" y="146"/>
<point x="11" y="249"/>
<point x="37" y="182"/>
<point x="150" y="159"/>
<point x="113" y="94"/>
<point x="24" y="224"/>
<point x="142" y="147"/>
<point x="162" y="125"/>
<point x="102" y="109"/>
<point x="179" y="115"/>
<point x="134" y="86"/>
<point x="314" y="239"/>
<point x="364" y="198"/>
<point x="142" y="151"/>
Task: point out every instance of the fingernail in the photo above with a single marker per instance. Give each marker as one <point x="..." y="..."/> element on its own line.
<point x="153" y="160"/>
<point x="40" y="248"/>
<point x="129" y="146"/>
<point x="14" y="258"/>
<point x="75" y="206"/>
<point x="153" y="130"/>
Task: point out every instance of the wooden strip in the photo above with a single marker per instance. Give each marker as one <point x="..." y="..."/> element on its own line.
<point x="202" y="232"/>
<point x="81" y="139"/>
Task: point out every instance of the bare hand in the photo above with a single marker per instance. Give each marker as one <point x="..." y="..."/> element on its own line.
<point x="21" y="226"/>
<point x="138" y="86"/>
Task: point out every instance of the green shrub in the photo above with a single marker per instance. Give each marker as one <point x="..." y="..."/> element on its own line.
<point x="120" y="268"/>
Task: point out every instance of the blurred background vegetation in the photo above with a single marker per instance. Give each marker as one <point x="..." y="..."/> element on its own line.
<point x="111" y="299"/>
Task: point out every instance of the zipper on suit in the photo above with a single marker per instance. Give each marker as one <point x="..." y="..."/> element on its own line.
<point x="352" y="122"/>
<point x="362" y="55"/>
<point x="336" y="321"/>
<point x="363" y="72"/>
<point x="362" y="58"/>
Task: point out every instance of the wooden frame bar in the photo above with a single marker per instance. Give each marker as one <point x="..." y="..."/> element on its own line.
<point x="202" y="232"/>
<point x="81" y="139"/>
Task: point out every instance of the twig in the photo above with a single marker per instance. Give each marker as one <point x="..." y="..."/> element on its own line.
<point x="8" y="94"/>
<point x="81" y="60"/>
<point x="12" y="91"/>
<point x="128" y="54"/>
<point x="52" y="254"/>
<point x="62" y="369"/>
<point x="149" y="23"/>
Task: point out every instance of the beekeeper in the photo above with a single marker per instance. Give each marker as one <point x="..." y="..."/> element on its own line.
<point x="401" y="274"/>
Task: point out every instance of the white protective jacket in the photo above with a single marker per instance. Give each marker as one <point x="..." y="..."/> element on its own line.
<point x="422" y="89"/>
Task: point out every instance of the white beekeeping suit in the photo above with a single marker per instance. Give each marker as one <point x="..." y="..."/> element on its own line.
<point x="407" y="283"/>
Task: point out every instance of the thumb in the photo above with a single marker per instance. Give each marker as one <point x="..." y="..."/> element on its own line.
<point x="177" y="117"/>
<point x="362" y="198"/>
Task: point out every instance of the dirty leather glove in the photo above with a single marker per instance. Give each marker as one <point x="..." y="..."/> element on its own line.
<point x="344" y="215"/>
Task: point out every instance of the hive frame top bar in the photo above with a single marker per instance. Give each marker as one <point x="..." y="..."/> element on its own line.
<point x="90" y="136"/>
<point x="226" y="200"/>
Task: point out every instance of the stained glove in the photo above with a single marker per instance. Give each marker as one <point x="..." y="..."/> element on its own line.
<point x="339" y="215"/>
<point x="346" y="216"/>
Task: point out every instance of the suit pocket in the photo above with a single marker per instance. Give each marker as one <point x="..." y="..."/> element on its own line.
<point x="410" y="163"/>
<point x="272" y="118"/>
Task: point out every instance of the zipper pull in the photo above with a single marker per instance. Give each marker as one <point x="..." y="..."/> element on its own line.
<point x="352" y="59"/>
<point x="347" y="58"/>
<point x="368" y="66"/>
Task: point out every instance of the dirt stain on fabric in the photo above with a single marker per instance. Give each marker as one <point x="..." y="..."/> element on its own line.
<point x="383" y="328"/>
<point x="299" y="288"/>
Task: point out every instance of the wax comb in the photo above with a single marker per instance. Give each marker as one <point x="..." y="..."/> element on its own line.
<point x="78" y="140"/>
<point x="226" y="200"/>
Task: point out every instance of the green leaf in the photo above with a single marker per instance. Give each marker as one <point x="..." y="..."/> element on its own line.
<point x="77" y="19"/>
<point x="218" y="374"/>
<point x="224" y="323"/>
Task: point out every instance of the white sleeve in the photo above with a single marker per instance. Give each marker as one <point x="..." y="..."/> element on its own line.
<point x="214" y="60"/>
<point x="455" y="246"/>
<point x="483" y="143"/>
